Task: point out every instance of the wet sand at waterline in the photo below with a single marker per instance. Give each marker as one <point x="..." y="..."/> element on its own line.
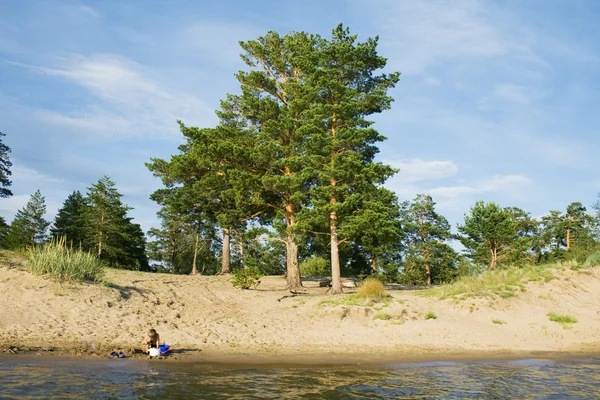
<point x="205" y="318"/>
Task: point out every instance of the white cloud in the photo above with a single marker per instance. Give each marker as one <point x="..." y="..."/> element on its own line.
<point x="422" y="32"/>
<point x="416" y="170"/>
<point x="497" y="183"/>
<point x="133" y="102"/>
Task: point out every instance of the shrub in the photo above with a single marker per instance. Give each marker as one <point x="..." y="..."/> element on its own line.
<point x="383" y="316"/>
<point x="592" y="260"/>
<point x="315" y="266"/>
<point x="504" y="283"/>
<point x="498" y="322"/>
<point x="63" y="262"/>
<point x="246" y="278"/>
<point x="561" y="319"/>
<point x="430" y="315"/>
<point x="371" y="288"/>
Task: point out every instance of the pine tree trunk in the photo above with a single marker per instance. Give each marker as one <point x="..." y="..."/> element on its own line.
<point x="100" y="239"/>
<point x="291" y="251"/>
<point x="225" y="260"/>
<point x="336" y="277"/>
<point x="240" y="246"/>
<point x="494" y="258"/>
<point x="374" y="264"/>
<point x="100" y="246"/>
<point x="428" y="274"/>
<point x="568" y="238"/>
<point x="194" y="268"/>
<point x="292" y="267"/>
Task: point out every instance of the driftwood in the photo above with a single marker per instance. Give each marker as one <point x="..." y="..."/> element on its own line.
<point x="294" y="293"/>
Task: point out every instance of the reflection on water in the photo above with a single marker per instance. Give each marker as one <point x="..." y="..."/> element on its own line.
<point x="531" y="379"/>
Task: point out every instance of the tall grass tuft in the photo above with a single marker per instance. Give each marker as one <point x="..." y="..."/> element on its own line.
<point x="371" y="289"/>
<point x="63" y="262"/>
<point x="592" y="260"/>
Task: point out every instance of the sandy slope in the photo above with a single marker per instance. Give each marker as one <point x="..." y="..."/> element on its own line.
<point x="208" y="318"/>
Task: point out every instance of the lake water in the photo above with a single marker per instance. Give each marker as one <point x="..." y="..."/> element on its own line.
<point x="116" y="379"/>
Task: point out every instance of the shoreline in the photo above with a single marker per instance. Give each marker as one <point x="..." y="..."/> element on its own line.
<point x="275" y="357"/>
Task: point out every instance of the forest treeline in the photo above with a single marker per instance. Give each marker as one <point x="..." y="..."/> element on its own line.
<point x="287" y="183"/>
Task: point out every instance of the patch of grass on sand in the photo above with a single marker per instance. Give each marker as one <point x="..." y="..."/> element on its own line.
<point x="498" y="322"/>
<point x="504" y="283"/>
<point x="372" y="289"/>
<point x="63" y="262"/>
<point x="430" y="315"/>
<point x="383" y="316"/>
<point x="353" y="300"/>
<point x="564" y="320"/>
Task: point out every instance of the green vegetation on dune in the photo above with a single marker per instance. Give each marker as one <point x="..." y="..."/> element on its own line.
<point x="63" y="262"/>
<point x="504" y="283"/>
<point x="564" y="320"/>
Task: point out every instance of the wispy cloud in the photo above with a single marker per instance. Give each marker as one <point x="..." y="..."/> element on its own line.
<point x="131" y="100"/>
<point x="497" y="183"/>
<point x="417" y="170"/>
<point x="424" y="32"/>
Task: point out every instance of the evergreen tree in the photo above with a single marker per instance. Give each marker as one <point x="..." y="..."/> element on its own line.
<point x="488" y="234"/>
<point x="29" y="226"/>
<point x="4" y="227"/>
<point x="428" y="257"/>
<point x="172" y="242"/>
<point x="375" y="229"/>
<point x="70" y="220"/>
<point x="347" y="91"/>
<point x="553" y="235"/>
<point x="206" y="190"/>
<point x="525" y="248"/>
<point x="579" y="225"/>
<point x="110" y="233"/>
<point x="104" y="214"/>
<point x="5" y="165"/>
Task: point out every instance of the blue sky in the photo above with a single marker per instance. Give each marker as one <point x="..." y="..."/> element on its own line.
<point x="497" y="99"/>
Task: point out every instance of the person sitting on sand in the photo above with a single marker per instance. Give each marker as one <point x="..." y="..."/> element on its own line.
<point x="152" y="340"/>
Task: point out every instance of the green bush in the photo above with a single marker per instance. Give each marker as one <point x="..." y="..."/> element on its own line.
<point x="246" y="278"/>
<point x="371" y="288"/>
<point x="430" y="315"/>
<point x="63" y="262"/>
<point x="592" y="260"/>
<point x="315" y="266"/>
<point x="562" y="319"/>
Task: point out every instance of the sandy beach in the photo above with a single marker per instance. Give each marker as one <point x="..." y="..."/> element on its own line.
<point x="206" y="318"/>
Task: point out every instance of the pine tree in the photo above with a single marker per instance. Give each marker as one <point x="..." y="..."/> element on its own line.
<point x="428" y="256"/>
<point x="526" y="245"/>
<point x="374" y="227"/>
<point x="344" y="146"/>
<point x="5" y="165"/>
<point x="70" y="220"/>
<point x="4" y="228"/>
<point x="29" y="226"/>
<point x="106" y="221"/>
<point x="488" y="234"/>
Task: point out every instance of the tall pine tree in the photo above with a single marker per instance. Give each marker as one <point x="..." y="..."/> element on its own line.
<point x="346" y="91"/>
<point x="428" y="257"/>
<point x="5" y="172"/>
<point x="70" y="220"/>
<point x="29" y="226"/>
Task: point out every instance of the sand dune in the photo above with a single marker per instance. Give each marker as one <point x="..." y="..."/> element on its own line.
<point x="206" y="318"/>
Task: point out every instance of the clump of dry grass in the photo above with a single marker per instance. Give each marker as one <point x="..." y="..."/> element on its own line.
<point x="371" y="289"/>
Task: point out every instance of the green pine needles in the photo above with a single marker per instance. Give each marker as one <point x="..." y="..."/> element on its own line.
<point x="63" y="262"/>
